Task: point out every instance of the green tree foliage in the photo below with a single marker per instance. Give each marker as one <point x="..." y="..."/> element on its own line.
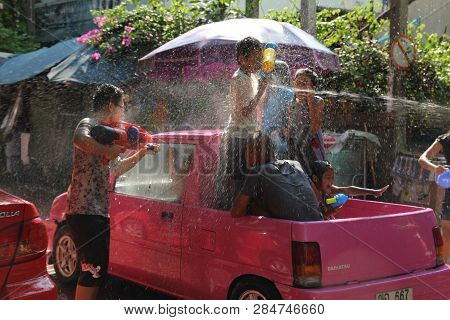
<point x="12" y="15"/>
<point x="429" y="76"/>
<point x="148" y="26"/>
<point x="353" y="35"/>
<point x="364" y="61"/>
<point x="15" y="42"/>
<point x="13" y="26"/>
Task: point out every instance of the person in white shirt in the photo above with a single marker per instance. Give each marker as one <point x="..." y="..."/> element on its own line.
<point x="247" y="93"/>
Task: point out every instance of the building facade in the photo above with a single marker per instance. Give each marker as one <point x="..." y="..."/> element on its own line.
<point x="435" y="14"/>
<point x="64" y="19"/>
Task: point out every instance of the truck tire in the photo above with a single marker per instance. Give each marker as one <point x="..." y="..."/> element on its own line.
<point x="65" y="258"/>
<point x="253" y="288"/>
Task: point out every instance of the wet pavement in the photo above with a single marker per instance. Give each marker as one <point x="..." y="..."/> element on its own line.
<point x="113" y="289"/>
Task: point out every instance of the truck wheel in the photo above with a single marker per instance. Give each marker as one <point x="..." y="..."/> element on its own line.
<point x="66" y="263"/>
<point x="254" y="289"/>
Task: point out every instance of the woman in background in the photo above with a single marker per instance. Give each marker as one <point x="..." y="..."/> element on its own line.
<point x="440" y="146"/>
<point x="305" y="119"/>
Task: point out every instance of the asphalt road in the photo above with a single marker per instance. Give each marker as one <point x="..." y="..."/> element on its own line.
<point x="113" y="289"/>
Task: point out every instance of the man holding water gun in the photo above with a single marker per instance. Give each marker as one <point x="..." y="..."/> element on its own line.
<point x="87" y="196"/>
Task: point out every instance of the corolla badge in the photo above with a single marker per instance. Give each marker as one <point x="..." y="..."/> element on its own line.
<point x="9" y="214"/>
<point x="339" y="267"/>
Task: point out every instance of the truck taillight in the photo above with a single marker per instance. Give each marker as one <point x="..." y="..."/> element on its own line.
<point x="307" y="264"/>
<point x="32" y="242"/>
<point x="439" y="245"/>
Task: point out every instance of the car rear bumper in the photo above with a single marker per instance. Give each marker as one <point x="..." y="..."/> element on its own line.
<point x="431" y="284"/>
<point x="39" y="288"/>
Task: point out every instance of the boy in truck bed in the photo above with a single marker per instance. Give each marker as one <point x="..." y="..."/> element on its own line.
<point x="247" y="94"/>
<point x="278" y="189"/>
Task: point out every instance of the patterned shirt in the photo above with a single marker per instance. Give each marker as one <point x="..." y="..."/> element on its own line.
<point x="88" y="190"/>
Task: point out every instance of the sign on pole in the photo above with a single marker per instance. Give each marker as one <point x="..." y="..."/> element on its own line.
<point x="403" y="52"/>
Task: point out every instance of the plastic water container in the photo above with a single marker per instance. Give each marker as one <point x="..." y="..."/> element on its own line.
<point x="276" y="110"/>
<point x="443" y="180"/>
<point x="272" y="45"/>
<point x="269" y="57"/>
<point x="337" y="201"/>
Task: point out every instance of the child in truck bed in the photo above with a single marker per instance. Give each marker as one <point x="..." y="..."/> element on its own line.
<point x="322" y="177"/>
<point x="275" y="188"/>
<point x="247" y="94"/>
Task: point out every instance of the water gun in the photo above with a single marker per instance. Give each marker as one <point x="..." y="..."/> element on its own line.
<point x="126" y="135"/>
<point x="269" y="57"/>
<point x="443" y="180"/>
<point x="337" y="201"/>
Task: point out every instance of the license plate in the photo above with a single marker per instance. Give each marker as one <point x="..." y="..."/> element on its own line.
<point x="400" y="294"/>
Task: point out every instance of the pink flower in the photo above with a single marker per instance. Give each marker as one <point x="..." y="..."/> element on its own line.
<point x="126" y="41"/>
<point x="169" y="17"/>
<point x="81" y="39"/>
<point x="147" y="18"/>
<point x="129" y="29"/>
<point x="100" y="21"/>
<point x="88" y="35"/>
<point x="110" y="49"/>
<point x="93" y="33"/>
<point x="95" y="56"/>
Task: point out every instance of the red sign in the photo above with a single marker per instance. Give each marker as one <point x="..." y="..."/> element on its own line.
<point x="403" y="52"/>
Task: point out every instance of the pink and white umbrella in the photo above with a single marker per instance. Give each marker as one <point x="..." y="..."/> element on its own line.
<point x="208" y="52"/>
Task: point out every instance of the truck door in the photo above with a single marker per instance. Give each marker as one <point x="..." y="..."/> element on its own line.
<point x="146" y="215"/>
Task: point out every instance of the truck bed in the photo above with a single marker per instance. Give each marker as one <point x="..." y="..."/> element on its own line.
<point x="371" y="240"/>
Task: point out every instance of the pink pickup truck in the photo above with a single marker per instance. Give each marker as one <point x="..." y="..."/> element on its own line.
<point x="166" y="234"/>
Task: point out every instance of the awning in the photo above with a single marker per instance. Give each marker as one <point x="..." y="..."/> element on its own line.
<point x="5" y="56"/>
<point x="30" y="64"/>
<point x="79" y="67"/>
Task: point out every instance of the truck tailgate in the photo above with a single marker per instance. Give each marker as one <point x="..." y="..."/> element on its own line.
<point x="373" y="240"/>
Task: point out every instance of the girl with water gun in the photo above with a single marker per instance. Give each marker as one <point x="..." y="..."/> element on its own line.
<point x="331" y="197"/>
